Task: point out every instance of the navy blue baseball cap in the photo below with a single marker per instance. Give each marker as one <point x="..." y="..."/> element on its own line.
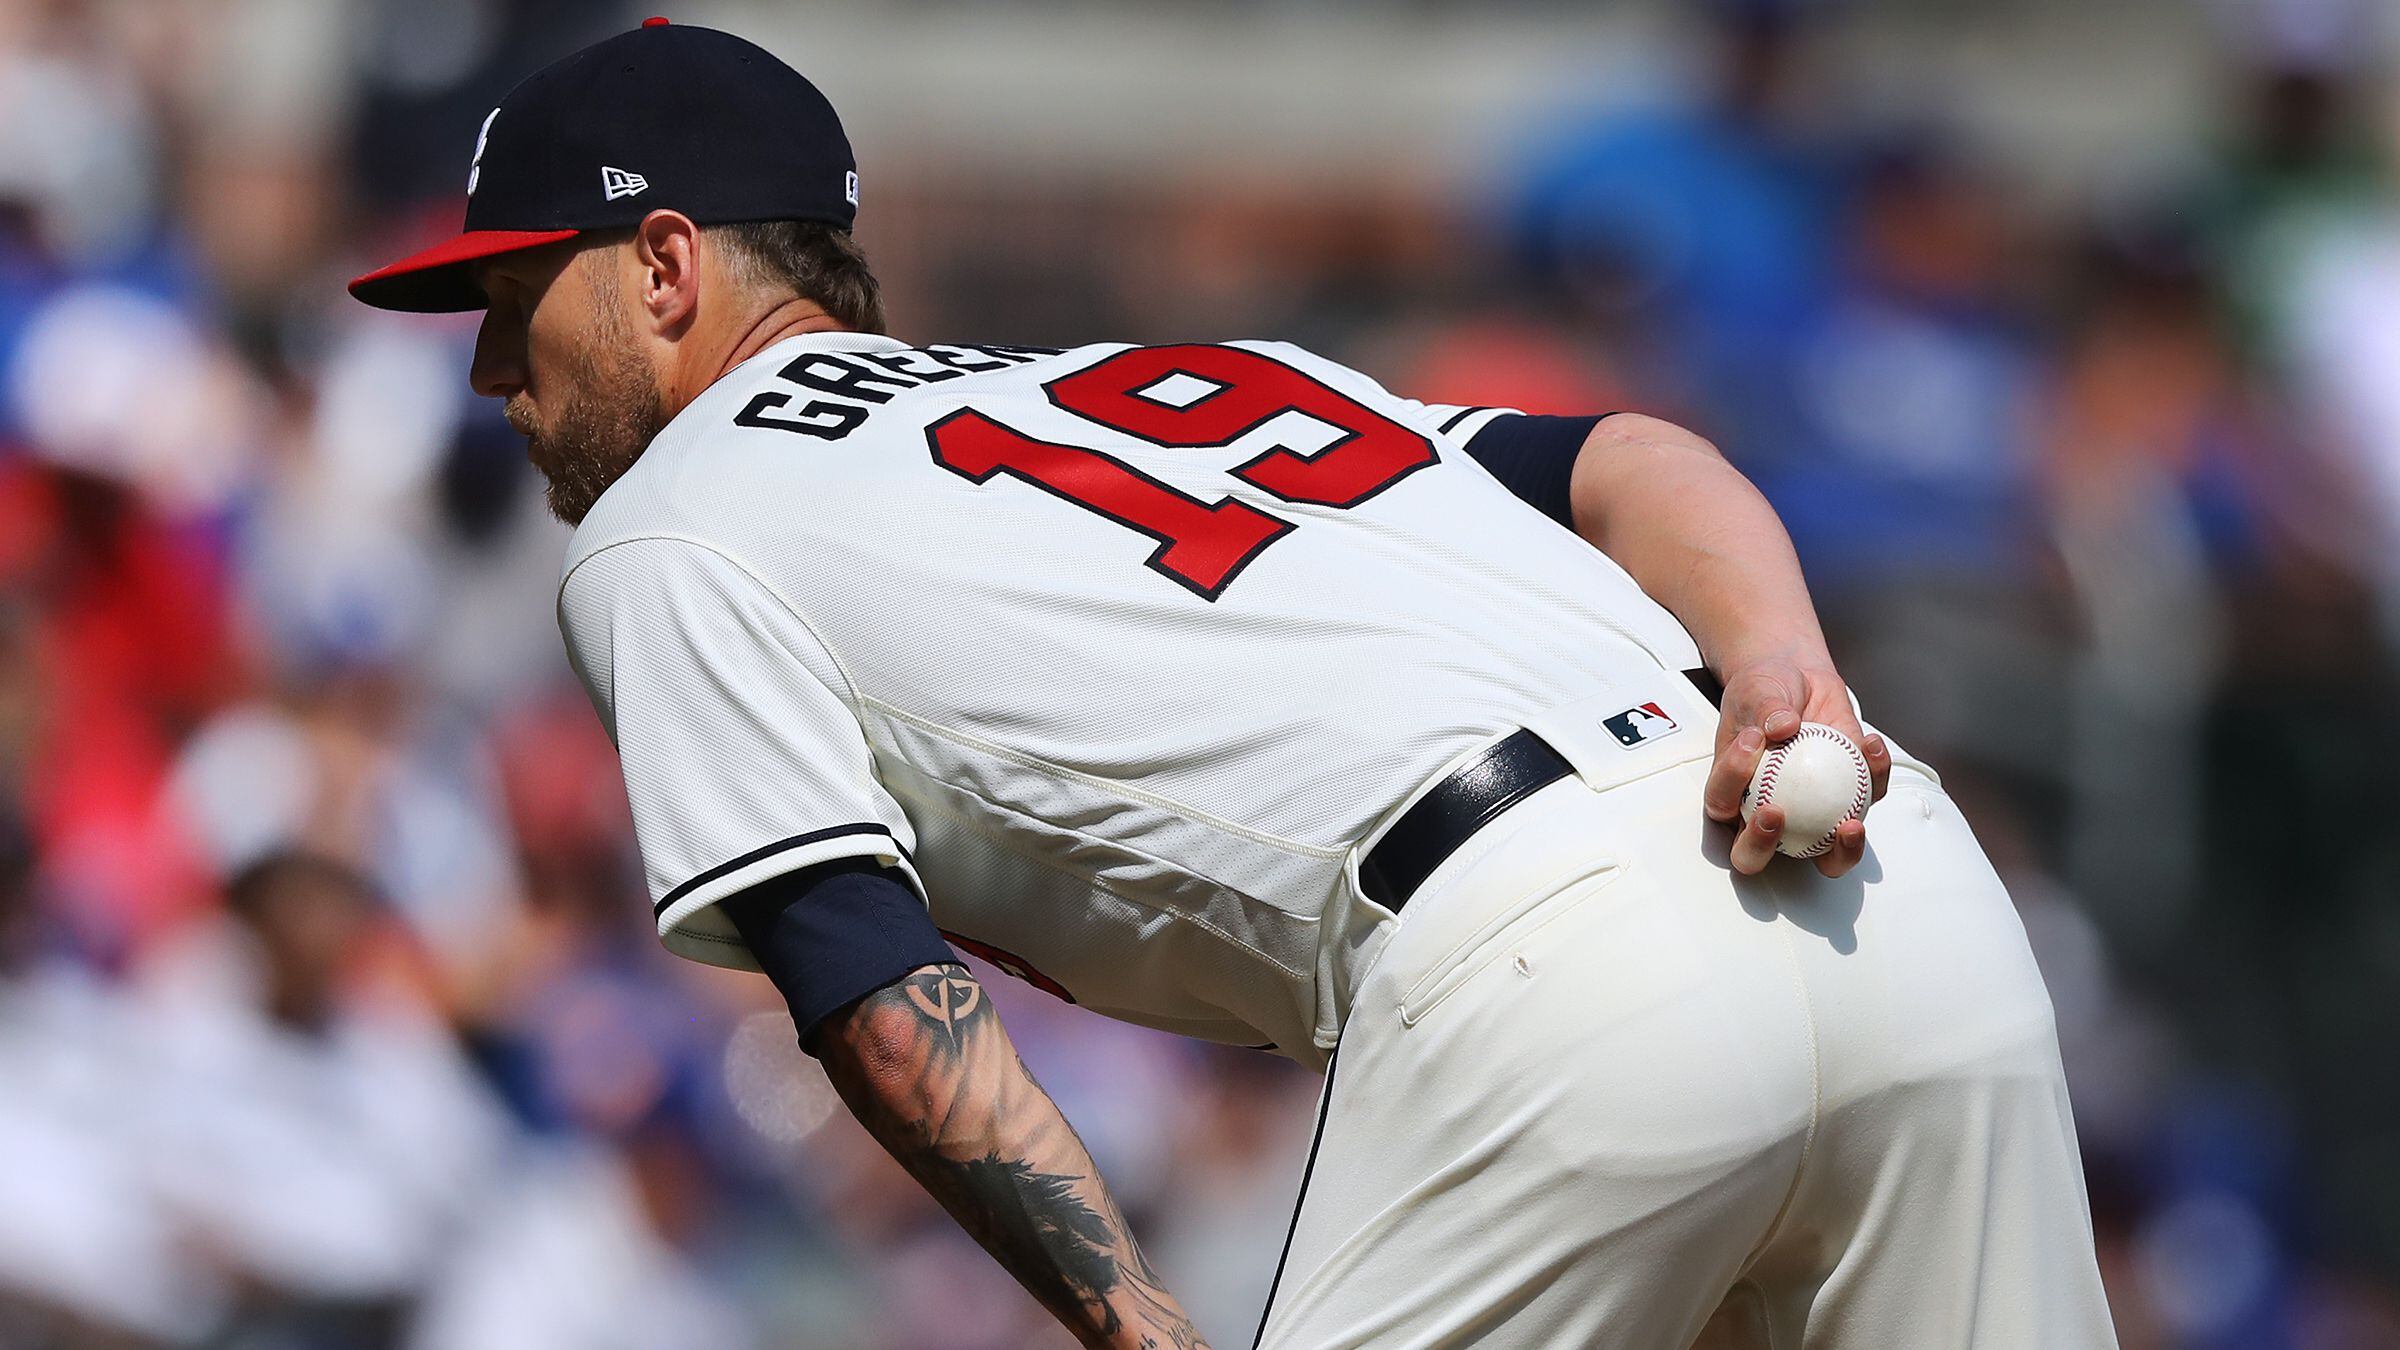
<point x="667" y="115"/>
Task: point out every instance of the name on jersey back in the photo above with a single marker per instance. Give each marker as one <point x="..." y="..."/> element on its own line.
<point x="842" y="388"/>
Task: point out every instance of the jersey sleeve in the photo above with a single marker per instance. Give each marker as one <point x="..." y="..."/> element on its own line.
<point x="1534" y="457"/>
<point x="831" y="934"/>
<point x="741" y="761"/>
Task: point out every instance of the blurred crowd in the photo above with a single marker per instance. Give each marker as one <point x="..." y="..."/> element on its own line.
<point x="330" y="1014"/>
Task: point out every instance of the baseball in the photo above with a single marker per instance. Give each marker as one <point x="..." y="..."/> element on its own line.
<point x="1819" y="779"/>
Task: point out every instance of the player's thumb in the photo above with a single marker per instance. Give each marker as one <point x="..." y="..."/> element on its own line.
<point x="1775" y="700"/>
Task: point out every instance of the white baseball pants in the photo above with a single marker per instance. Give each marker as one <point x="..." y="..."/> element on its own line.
<point x="1600" y="1091"/>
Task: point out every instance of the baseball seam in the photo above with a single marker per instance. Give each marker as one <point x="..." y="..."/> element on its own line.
<point x="1772" y="766"/>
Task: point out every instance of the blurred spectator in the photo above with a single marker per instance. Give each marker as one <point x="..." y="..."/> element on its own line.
<point x="2303" y="159"/>
<point x="1903" y="465"/>
<point x="355" y="765"/>
<point x="2334" y="343"/>
<point x="2143" y="443"/>
<point x="563" y="1256"/>
<point x="313" y="1127"/>
<point x="1713" y="220"/>
<point x="1911" y="390"/>
<point x="125" y="639"/>
<point x="88" y="1258"/>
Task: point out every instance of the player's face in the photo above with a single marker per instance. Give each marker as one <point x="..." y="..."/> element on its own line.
<point x="556" y="346"/>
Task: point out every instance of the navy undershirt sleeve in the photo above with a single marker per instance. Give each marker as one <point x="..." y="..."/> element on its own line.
<point x="832" y="934"/>
<point x="1533" y="456"/>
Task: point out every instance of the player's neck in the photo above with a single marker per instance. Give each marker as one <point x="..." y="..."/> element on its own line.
<point x="789" y="319"/>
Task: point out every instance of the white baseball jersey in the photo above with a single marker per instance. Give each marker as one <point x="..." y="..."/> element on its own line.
<point x="1119" y="653"/>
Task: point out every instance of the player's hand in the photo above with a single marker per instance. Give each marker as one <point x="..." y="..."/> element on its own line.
<point x="1766" y="700"/>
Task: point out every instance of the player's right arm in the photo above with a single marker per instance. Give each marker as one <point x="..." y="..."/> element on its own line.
<point x="1701" y="541"/>
<point x="926" y="1066"/>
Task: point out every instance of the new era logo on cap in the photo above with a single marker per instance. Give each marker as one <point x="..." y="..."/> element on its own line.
<point x="618" y="182"/>
<point x="1639" y="726"/>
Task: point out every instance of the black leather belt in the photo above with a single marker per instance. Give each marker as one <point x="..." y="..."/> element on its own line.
<point x="1472" y="797"/>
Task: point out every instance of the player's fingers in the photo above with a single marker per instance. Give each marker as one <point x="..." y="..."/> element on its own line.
<point x="1729" y="723"/>
<point x="1849" y="846"/>
<point x="1836" y="713"/>
<point x="1729" y="776"/>
<point x="1754" y="846"/>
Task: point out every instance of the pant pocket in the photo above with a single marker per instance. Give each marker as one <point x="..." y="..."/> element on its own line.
<point x="1454" y="961"/>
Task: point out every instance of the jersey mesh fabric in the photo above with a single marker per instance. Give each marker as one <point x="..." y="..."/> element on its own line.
<point x="1144" y="795"/>
<point x="740" y="762"/>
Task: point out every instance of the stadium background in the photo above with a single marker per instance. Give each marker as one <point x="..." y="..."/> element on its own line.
<point x="2059" y="332"/>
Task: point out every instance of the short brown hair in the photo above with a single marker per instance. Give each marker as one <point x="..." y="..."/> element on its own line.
<point x="818" y="262"/>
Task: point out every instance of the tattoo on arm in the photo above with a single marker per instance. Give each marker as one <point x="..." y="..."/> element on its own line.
<point x="927" y="1068"/>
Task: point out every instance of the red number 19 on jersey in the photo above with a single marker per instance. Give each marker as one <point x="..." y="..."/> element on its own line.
<point x="1191" y="397"/>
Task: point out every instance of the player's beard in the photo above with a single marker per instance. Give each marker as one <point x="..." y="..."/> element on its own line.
<point x="608" y="412"/>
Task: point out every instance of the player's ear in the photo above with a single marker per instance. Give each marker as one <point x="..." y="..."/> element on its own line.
<point x="667" y="246"/>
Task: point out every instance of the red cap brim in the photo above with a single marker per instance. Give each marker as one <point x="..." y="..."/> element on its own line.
<point x="441" y="279"/>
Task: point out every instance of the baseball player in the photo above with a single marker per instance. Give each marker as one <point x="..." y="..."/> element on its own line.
<point x="1215" y="688"/>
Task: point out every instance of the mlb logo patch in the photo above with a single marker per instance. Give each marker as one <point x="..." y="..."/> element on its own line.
<point x="1639" y="726"/>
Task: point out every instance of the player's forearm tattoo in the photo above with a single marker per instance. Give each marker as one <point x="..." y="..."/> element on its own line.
<point x="927" y="1068"/>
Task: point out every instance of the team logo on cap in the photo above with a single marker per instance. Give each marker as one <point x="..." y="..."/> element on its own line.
<point x="618" y="182"/>
<point x="475" y="167"/>
<point x="1639" y="726"/>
